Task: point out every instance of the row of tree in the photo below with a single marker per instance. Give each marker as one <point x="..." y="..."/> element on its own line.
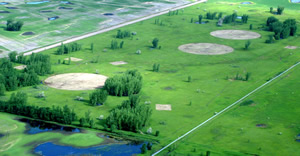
<point x="130" y="115"/>
<point x="123" y="34"/>
<point x="68" y="48"/>
<point x="282" y="30"/>
<point x="124" y="85"/>
<point x="17" y="105"/>
<point x="115" y="45"/>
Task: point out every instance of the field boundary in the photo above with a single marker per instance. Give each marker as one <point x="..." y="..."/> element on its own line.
<point x="228" y="107"/>
<point x="90" y="34"/>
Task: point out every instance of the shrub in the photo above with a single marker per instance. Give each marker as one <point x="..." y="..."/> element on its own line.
<point x="14" y="26"/>
<point x="20" y="98"/>
<point x="155" y="43"/>
<point x="144" y="149"/>
<point x="247" y="44"/>
<point x="280" y="10"/>
<point x="247" y="102"/>
<point x="98" y="97"/>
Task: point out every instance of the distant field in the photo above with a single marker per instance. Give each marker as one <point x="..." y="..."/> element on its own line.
<point x="76" y="17"/>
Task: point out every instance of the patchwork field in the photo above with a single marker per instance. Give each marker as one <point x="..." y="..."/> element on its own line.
<point x="47" y="22"/>
<point x="190" y="88"/>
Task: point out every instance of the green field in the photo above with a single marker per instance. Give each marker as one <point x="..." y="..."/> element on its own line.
<point x="233" y="133"/>
<point x="77" y="18"/>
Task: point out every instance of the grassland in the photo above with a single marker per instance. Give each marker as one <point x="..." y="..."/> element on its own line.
<point x="209" y="92"/>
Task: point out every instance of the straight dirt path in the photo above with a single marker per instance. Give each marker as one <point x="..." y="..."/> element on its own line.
<point x="111" y="28"/>
<point x="225" y="109"/>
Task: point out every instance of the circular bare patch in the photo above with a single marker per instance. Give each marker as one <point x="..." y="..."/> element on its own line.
<point x="205" y="48"/>
<point x="235" y="34"/>
<point x="76" y="81"/>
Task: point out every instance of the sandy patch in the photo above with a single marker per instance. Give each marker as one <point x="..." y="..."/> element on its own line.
<point x="76" y="81"/>
<point x="235" y="34"/>
<point x="118" y="63"/>
<point x="163" y="107"/>
<point x="205" y="48"/>
<point x="291" y="47"/>
<point x="21" y="67"/>
<point x="73" y="59"/>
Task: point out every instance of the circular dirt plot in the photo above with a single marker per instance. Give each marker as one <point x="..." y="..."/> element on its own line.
<point x="235" y="34"/>
<point x="76" y="81"/>
<point x="205" y="48"/>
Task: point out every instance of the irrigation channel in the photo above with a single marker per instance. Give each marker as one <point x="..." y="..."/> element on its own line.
<point x="110" y="28"/>
<point x="225" y="109"/>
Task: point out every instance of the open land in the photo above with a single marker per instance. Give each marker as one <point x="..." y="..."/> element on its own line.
<point x="211" y="89"/>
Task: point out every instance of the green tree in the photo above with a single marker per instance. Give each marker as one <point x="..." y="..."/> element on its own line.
<point x="247" y="44"/>
<point x="155" y="42"/>
<point x="98" y="97"/>
<point x="144" y="149"/>
<point x="2" y="89"/>
<point x="20" y="98"/>
<point x="280" y="10"/>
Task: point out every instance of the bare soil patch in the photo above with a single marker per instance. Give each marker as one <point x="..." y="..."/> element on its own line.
<point x="166" y="107"/>
<point x="235" y="34"/>
<point x="205" y="48"/>
<point x="291" y="47"/>
<point x="76" y="81"/>
<point x="118" y="63"/>
<point x="73" y="59"/>
<point x="21" y="67"/>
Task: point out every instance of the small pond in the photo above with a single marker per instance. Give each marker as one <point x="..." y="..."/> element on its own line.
<point x="65" y="8"/>
<point x="295" y="1"/>
<point x="66" y="2"/>
<point x="11" y="7"/>
<point x="1" y="135"/>
<point x="37" y="2"/>
<point x="5" y="12"/>
<point x="45" y="11"/>
<point x="246" y="3"/>
<point x="108" y="14"/>
<point x="28" y="33"/>
<point x="34" y="127"/>
<point x="50" y="149"/>
<point x="3" y="3"/>
<point x="53" y="18"/>
<point x="204" y="22"/>
<point x="239" y="17"/>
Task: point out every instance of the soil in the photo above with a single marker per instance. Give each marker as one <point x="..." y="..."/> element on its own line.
<point x="76" y="81"/>
<point x="163" y="107"/>
<point x="291" y="47"/>
<point x="205" y="48"/>
<point x="118" y="63"/>
<point x="21" y="67"/>
<point x="235" y="34"/>
<point x="73" y="59"/>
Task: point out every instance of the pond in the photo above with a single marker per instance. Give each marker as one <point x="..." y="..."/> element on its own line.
<point x="11" y="7"/>
<point x="108" y="14"/>
<point x="50" y="149"/>
<point x="246" y="3"/>
<point x="66" y="2"/>
<point x="53" y="18"/>
<point x="38" y="2"/>
<point x="34" y="127"/>
<point x="295" y="1"/>
<point x="111" y="147"/>
<point x="6" y="12"/>
<point x="3" y="3"/>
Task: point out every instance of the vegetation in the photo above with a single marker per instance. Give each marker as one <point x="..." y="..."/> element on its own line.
<point x="130" y="115"/>
<point x="123" y="34"/>
<point x="68" y="48"/>
<point x="127" y="84"/>
<point x="11" y="25"/>
<point x="98" y="97"/>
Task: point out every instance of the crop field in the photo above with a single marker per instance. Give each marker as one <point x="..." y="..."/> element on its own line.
<point x="201" y="72"/>
<point x="75" y="17"/>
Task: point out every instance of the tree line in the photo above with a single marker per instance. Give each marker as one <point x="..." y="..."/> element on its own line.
<point x="129" y="116"/>
<point x="17" y="105"/>
<point x="68" y="48"/>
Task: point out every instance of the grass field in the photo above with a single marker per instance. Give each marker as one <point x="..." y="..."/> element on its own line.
<point x="75" y="18"/>
<point x="209" y="91"/>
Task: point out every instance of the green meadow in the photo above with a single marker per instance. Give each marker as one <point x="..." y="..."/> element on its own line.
<point x="209" y="91"/>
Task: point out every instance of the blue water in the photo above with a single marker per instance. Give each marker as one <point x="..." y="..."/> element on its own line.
<point x="3" y="3"/>
<point x="246" y="3"/>
<point x="65" y="2"/>
<point x="239" y="17"/>
<point x="51" y="149"/>
<point x="295" y="1"/>
<point x="35" y="127"/>
<point x="39" y="2"/>
<point x="53" y="18"/>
